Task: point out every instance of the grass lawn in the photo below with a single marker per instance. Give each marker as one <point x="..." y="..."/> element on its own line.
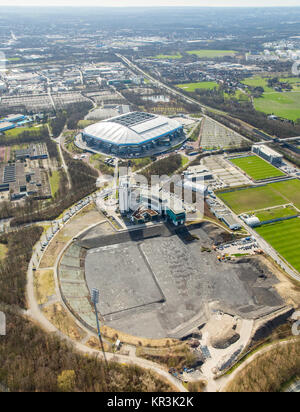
<point x="191" y="87"/>
<point x="285" y="104"/>
<point x="18" y="130"/>
<point x="285" y="238"/>
<point x="257" y="168"/>
<point x="276" y="213"/>
<point x="85" y="123"/>
<point x="212" y="53"/>
<point x="184" y="160"/>
<point x="168" y="56"/>
<point x="258" y="81"/>
<point x="54" y="181"/>
<point x="257" y="198"/>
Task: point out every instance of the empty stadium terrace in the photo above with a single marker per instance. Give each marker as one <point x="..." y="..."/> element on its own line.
<point x="157" y="283"/>
<point x="135" y="134"/>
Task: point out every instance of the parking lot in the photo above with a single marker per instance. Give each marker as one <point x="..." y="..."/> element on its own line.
<point x="226" y="175"/>
<point x="239" y="247"/>
<point x="214" y="136"/>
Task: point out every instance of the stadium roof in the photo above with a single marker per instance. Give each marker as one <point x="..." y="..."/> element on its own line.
<point x="133" y="128"/>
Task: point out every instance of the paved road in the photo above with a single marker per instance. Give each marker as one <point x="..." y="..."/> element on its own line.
<point x="58" y="141"/>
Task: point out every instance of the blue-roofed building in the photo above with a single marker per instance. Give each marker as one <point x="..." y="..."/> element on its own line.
<point x="4" y="126"/>
<point x="14" y="118"/>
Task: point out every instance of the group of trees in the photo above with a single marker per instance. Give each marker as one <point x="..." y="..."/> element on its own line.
<point x="76" y="112"/>
<point x="70" y="117"/>
<point x="58" y="123"/>
<point x="165" y="166"/>
<point x="33" y="361"/>
<point x="13" y="267"/>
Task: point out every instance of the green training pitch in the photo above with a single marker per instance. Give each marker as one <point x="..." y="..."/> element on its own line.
<point x="212" y="53"/>
<point x="285" y="238"/>
<point x="168" y="56"/>
<point x="191" y="87"/>
<point x="263" y="197"/>
<point x="257" y="168"/>
<point x="276" y="213"/>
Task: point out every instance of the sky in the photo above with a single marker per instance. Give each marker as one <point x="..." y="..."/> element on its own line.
<point x="152" y="3"/>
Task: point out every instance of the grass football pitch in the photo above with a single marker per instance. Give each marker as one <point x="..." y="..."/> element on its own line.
<point x="257" y="168"/>
<point x="263" y="197"/>
<point x="284" y="237"/>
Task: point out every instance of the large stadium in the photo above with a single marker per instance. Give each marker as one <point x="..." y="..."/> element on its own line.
<point x="135" y="134"/>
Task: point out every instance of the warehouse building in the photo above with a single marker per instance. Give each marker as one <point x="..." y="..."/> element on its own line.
<point x="134" y="134"/>
<point x="15" y="118"/>
<point x="34" y="151"/>
<point x="268" y="154"/>
<point x="21" y="181"/>
<point x="4" y="126"/>
<point x="230" y="221"/>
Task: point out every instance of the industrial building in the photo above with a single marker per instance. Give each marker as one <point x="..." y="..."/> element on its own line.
<point x="251" y="221"/>
<point x="197" y="173"/>
<point x="14" y="118"/>
<point x="135" y="134"/>
<point x="268" y="154"/>
<point x="4" y="126"/>
<point x="148" y="203"/>
<point x="230" y="221"/>
<point x="34" y="151"/>
<point x="22" y="181"/>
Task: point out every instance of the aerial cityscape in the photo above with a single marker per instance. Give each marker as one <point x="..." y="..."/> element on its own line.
<point x="150" y="199"/>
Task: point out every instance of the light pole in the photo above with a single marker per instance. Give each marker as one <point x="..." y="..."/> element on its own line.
<point x="95" y="300"/>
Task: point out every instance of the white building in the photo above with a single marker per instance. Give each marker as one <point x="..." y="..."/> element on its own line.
<point x="268" y="154"/>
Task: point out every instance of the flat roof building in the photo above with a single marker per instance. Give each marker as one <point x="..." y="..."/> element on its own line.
<point x="268" y="154"/>
<point x="15" y="118"/>
<point x="4" y="126"/>
<point x="230" y="221"/>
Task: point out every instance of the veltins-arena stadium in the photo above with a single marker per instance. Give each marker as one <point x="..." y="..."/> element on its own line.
<point x="135" y="134"/>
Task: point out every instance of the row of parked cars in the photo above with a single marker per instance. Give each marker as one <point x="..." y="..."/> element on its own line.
<point x="66" y="217"/>
<point x="76" y="208"/>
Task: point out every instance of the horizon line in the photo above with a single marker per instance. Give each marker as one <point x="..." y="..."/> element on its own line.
<point x="149" y="7"/>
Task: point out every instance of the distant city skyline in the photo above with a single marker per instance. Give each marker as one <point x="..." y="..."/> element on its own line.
<point x="152" y="3"/>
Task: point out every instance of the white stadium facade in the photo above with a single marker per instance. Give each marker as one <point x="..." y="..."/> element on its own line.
<point x="134" y="134"/>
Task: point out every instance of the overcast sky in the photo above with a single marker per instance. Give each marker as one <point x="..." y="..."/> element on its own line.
<point x="148" y="3"/>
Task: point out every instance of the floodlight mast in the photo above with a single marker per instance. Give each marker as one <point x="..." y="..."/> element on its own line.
<point x="95" y="300"/>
